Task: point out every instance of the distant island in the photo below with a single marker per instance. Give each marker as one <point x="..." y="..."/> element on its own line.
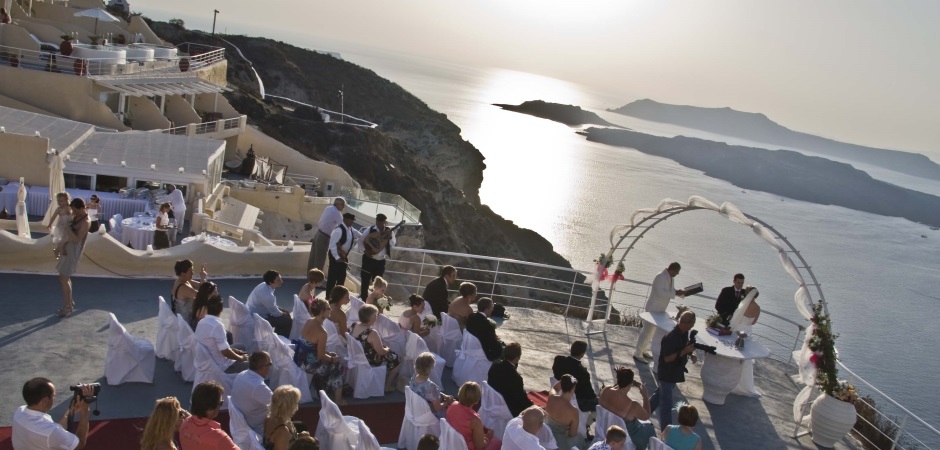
<point x="567" y="114"/>
<point x="757" y="127"/>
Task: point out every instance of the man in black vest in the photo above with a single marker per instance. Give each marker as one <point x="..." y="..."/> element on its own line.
<point x="505" y="379"/>
<point x="342" y="240"/>
<point x="571" y="365"/>
<point x="729" y="299"/>
<point x="374" y="265"/>
<point x="480" y="327"/>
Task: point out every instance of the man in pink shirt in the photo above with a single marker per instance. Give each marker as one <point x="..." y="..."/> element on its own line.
<point x="199" y="431"/>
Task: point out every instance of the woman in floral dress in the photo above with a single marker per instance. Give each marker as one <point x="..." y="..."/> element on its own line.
<point x="376" y="353"/>
<point x="311" y="355"/>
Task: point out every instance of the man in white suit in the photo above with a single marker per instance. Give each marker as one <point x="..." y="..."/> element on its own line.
<point x="661" y="292"/>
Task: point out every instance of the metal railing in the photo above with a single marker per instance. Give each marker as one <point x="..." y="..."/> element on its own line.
<point x="194" y="129"/>
<point x="55" y="62"/>
<point x="371" y="202"/>
<point x="346" y="118"/>
<point x="200" y="55"/>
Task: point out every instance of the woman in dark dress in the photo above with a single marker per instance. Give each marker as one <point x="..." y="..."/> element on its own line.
<point x="376" y="352"/>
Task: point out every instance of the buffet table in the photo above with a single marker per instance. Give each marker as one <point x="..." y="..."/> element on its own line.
<point x="214" y="240"/>
<point x="37" y="201"/>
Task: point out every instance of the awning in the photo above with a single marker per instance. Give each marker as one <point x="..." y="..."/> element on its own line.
<point x="160" y="87"/>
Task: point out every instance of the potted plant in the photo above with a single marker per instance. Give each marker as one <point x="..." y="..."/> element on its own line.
<point x="832" y="414"/>
<point x="65" y="47"/>
<point x="94" y="39"/>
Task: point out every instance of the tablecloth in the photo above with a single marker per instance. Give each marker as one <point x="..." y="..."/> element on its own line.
<point x="37" y="201"/>
<point x="138" y="231"/>
<point x="214" y="240"/>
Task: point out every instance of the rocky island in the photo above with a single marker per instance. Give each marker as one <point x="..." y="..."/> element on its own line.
<point x="567" y="114"/>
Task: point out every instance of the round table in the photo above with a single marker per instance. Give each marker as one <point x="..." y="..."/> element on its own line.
<point x="138" y="231"/>
<point x="214" y="240"/>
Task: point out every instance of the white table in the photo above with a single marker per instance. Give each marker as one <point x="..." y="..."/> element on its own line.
<point x="138" y="231"/>
<point x="664" y="323"/>
<point x="37" y="201"/>
<point x="214" y="240"/>
<point x="8" y="198"/>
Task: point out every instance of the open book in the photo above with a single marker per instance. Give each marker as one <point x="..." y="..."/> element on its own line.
<point x="693" y="289"/>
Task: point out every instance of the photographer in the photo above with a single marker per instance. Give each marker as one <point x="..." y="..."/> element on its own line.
<point x="33" y="428"/>
<point x="674" y="354"/>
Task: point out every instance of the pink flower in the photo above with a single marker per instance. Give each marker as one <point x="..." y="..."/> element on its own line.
<point x="814" y="358"/>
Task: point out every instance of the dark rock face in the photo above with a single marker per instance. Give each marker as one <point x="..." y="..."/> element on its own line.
<point x="567" y="114"/>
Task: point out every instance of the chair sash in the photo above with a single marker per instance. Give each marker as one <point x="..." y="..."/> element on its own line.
<point x="301" y="315"/>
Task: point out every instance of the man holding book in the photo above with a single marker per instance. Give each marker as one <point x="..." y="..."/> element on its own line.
<point x="661" y="292"/>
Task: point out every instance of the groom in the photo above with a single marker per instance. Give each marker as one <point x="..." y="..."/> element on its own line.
<point x="729" y="299"/>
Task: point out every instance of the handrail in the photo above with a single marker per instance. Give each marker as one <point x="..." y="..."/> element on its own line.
<point x="55" y="62"/>
<point x="364" y="123"/>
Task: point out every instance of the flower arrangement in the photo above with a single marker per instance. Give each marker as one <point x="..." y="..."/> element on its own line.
<point x="824" y="358"/>
<point x="430" y="321"/>
<point x="620" y="269"/>
<point x="715" y="321"/>
<point x="605" y="262"/>
<point x="384" y="304"/>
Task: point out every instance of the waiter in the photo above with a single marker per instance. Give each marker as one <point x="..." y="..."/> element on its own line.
<point x="341" y="242"/>
<point x="177" y="213"/>
<point x="331" y="218"/>
<point x="374" y="265"/>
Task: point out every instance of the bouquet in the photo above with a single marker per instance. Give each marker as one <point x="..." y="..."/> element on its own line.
<point x="715" y="321"/>
<point x="845" y="392"/>
<point x="604" y="261"/>
<point x="430" y="321"/>
<point x="384" y="304"/>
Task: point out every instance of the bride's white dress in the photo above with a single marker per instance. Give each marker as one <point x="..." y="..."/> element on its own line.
<point x="740" y="322"/>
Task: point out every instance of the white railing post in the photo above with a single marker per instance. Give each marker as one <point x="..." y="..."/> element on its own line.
<point x="897" y="434"/>
<point x="424" y="256"/>
<point x="495" y="276"/>
<point x="574" y="279"/>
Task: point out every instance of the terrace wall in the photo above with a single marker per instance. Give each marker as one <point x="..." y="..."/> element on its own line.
<point x="64" y="95"/>
<point x="24" y="156"/>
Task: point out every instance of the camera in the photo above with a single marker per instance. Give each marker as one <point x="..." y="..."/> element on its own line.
<point x="705" y="348"/>
<point x="78" y="392"/>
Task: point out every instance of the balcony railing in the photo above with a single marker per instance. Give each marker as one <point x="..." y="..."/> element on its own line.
<point x="195" y="129"/>
<point x="54" y="62"/>
<point x="374" y="202"/>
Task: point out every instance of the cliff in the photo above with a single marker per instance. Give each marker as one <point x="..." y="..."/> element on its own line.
<point x="567" y="114"/>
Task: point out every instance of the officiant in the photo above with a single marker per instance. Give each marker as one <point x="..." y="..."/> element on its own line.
<point x="729" y="298"/>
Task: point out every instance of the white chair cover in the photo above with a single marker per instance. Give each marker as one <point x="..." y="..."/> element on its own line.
<point x="419" y="420"/>
<point x="129" y="359"/>
<point x="117" y="229"/>
<point x="367" y="381"/>
<point x="113" y="231"/>
<point x="415" y="346"/>
<point x="352" y="314"/>
<point x="334" y="342"/>
<point x="433" y="339"/>
<point x="450" y="438"/>
<point x="243" y="436"/>
<point x="185" y="362"/>
<point x="605" y="419"/>
<point x="283" y="369"/>
<point x="493" y="410"/>
<point x="207" y="370"/>
<point x="367" y="440"/>
<point x="301" y="315"/>
<point x="547" y="438"/>
<point x="335" y="431"/>
<point x="582" y="416"/>
<point x="656" y="444"/>
<point x="264" y="338"/>
<point x="242" y="325"/>
<point x="168" y="346"/>
<point x="451" y="338"/>
<point x="471" y="364"/>
<point x="392" y="335"/>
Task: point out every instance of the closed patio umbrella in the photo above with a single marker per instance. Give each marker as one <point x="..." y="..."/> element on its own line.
<point x="56" y="185"/>
<point x="98" y="14"/>
<point x="22" y="221"/>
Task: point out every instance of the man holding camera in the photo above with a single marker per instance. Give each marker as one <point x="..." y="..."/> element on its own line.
<point x="33" y="428"/>
<point x="674" y="353"/>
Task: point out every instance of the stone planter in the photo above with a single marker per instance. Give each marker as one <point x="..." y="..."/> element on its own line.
<point x="65" y="47"/>
<point x="830" y="420"/>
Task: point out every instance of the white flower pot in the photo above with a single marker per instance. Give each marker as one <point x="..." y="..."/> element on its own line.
<point x="830" y="420"/>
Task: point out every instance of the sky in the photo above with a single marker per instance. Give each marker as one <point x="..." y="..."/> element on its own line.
<point x="859" y="71"/>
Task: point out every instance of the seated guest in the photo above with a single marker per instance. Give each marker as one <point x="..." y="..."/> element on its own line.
<point x="211" y="332"/>
<point x="411" y="318"/>
<point x="305" y="442"/>
<point x="376" y="352"/>
<point x="339" y="296"/>
<point x="462" y="417"/>
<point x="422" y="385"/>
<point x="525" y="432"/>
<point x="314" y="279"/>
<point x="460" y="308"/>
<point x="480" y="327"/>
<point x="279" y="430"/>
<point x="504" y="377"/>
<point x="185" y="288"/>
<point x="262" y="302"/>
<point x="561" y="417"/>
<point x="206" y="290"/>
<point x="571" y="364"/>
<point x="376" y="291"/>
<point x="325" y="367"/>
<point x="33" y="428"/>
<point x="250" y="393"/>
<point x="681" y="437"/>
<point x="616" y="439"/>
<point x="164" y="422"/>
<point x="429" y="442"/>
<point x="436" y="291"/>
<point x="199" y="431"/>
<point x="635" y="415"/>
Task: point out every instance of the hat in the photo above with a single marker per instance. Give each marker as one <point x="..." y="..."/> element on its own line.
<point x="381" y="218"/>
<point x="349" y="216"/>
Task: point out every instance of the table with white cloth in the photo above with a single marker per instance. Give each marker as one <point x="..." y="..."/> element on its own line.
<point x="8" y="198"/>
<point x="138" y="231"/>
<point x="722" y="371"/>
<point x="214" y="240"/>
<point x="37" y="200"/>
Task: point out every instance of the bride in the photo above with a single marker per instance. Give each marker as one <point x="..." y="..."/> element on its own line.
<point x="744" y="319"/>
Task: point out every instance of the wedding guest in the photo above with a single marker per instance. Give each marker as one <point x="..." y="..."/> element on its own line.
<point x="460" y="308"/>
<point x="675" y="353"/>
<point x="160" y="238"/>
<point x="263" y="302"/>
<point x="410" y="319"/>
<point x="339" y="296"/>
<point x="465" y="420"/>
<point x="480" y="327"/>
<point x="75" y="233"/>
<point x="250" y="392"/>
<point x="681" y="437"/>
<point x="429" y="442"/>
<point x="305" y="442"/>
<point x="571" y="364"/>
<point x="524" y="432"/>
<point x="635" y="415"/>
<point x="325" y="367"/>
<point x="279" y="430"/>
<point x="342" y="240"/>
<point x="379" y="285"/>
<point x="200" y="431"/>
<point x="163" y="424"/>
<point x="59" y="222"/>
<point x="504" y="377"/>
<point x="177" y="210"/>
<point x="436" y="291"/>
<point x="661" y="292"/>
<point x="376" y="352"/>
<point x="211" y="332"/>
<point x="33" y="428"/>
<point x="374" y="265"/>
<point x="309" y="290"/>
<point x="561" y="417"/>
<point x="331" y="217"/>
<point x="206" y="291"/>
<point x="185" y="288"/>
<point x="94" y="213"/>
<point x="729" y="298"/>
<point x="615" y="439"/>
<point x="422" y="385"/>
<point x="4" y="17"/>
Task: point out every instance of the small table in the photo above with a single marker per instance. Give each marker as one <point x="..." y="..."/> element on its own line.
<point x="664" y="323"/>
<point x="214" y="240"/>
<point x="138" y="231"/>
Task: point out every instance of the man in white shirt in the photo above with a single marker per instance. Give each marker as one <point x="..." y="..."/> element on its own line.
<point x="33" y="428"/>
<point x="178" y="211"/>
<point x="211" y="332"/>
<point x="342" y="240"/>
<point x="661" y="292"/>
<point x="331" y="218"/>
<point x="374" y="265"/>
<point x="529" y="432"/>
<point x="262" y="302"/>
<point x="251" y="394"/>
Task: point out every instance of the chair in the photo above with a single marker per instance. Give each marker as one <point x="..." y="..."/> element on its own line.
<point x="367" y="381"/>
<point x="471" y="364"/>
<point x="493" y="410"/>
<point x="656" y="444"/>
<point x="208" y="370"/>
<point x="605" y="419"/>
<point x="111" y="228"/>
<point x="335" y="431"/>
<point x="283" y="369"/>
<point x="301" y="315"/>
<point x="352" y="314"/>
<point x="415" y="346"/>
<point x="450" y="438"/>
<point x="167" y="346"/>
<point x="264" y="336"/>
<point x="582" y="415"/>
<point x="242" y="325"/>
<point x="118" y="229"/>
<point x="185" y="363"/>
<point x="392" y="335"/>
<point x="433" y="339"/>
<point x="334" y="342"/>
<point x="129" y="359"/>
<point x="367" y="440"/>
<point x="245" y="438"/>
<point x="419" y="420"/>
<point x="451" y="338"/>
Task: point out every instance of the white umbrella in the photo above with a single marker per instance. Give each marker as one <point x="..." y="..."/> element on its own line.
<point x="56" y="185"/>
<point x="22" y="221"/>
<point x="98" y="14"/>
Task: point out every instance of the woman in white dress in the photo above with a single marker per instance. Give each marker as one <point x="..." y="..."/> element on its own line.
<point x="744" y="319"/>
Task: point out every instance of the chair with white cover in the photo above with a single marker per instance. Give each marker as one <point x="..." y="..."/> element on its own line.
<point x="301" y="315"/>
<point x="451" y="338"/>
<point x="243" y="436"/>
<point x="208" y="370"/>
<point x="185" y="362"/>
<point x="241" y="324"/>
<point x="433" y="339"/>
<point x="493" y="410"/>
<point x="129" y="359"/>
<point x="352" y="314"/>
<point x="419" y="420"/>
<point x="415" y="346"/>
<point x="112" y="229"/>
<point x="334" y="342"/>
<point x="656" y="444"/>
<point x="450" y="438"/>
<point x="284" y="370"/>
<point x="335" y="431"/>
<point x="117" y="230"/>
<point x="367" y="440"/>
<point x="604" y="421"/>
<point x="367" y="381"/>
<point x="167" y="346"/>
<point x="471" y="364"/>
<point x="582" y="415"/>
<point x="265" y="337"/>
<point x="392" y="335"/>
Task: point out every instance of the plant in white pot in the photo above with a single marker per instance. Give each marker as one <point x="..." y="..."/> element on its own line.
<point x="832" y="415"/>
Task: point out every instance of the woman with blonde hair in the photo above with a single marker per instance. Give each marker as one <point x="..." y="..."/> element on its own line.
<point x="163" y="423"/>
<point x="377" y="353"/>
<point x="467" y="422"/>
<point x="279" y="431"/>
<point x="377" y="291"/>
<point x="422" y="385"/>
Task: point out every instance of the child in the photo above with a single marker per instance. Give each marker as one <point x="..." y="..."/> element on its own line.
<point x="62" y="219"/>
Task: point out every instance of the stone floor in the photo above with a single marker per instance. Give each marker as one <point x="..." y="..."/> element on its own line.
<point x="33" y="342"/>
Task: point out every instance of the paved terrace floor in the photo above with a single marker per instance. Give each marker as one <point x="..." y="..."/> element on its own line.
<point x="33" y="342"/>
